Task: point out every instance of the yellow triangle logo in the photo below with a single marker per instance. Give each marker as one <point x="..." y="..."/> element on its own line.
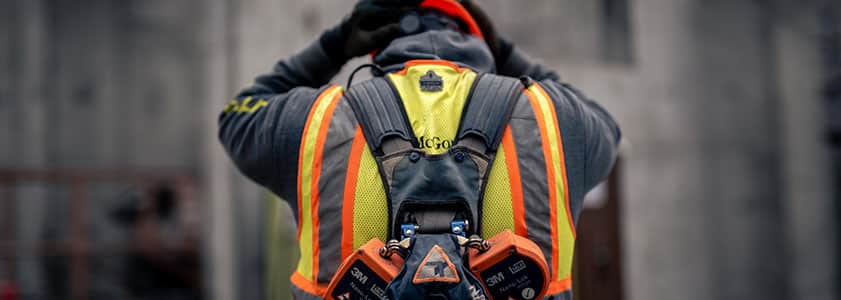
<point x="436" y="267"/>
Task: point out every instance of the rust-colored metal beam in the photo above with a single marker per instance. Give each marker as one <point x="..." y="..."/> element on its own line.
<point x="77" y="247"/>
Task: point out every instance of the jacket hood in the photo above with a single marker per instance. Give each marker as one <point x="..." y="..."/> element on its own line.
<point x="463" y="49"/>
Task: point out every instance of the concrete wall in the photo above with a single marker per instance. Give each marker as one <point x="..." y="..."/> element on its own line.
<point x="703" y="207"/>
<point x="95" y="84"/>
<point x="100" y="84"/>
<point x="810" y="210"/>
<point x="726" y="181"/>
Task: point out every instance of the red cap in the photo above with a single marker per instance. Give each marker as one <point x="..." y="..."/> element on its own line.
<point x="455" y="10"/>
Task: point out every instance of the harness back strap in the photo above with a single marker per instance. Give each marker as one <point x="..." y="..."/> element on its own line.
<point x="380" y="113"/>
<point x="489" y="109"/>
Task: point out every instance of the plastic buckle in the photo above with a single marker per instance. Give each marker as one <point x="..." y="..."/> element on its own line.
<point x="407" y="231"/>
<point x="459" y="228"/>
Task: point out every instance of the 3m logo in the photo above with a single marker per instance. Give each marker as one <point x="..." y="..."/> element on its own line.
<point x="436" y="267"/>
<point x="495" y="279"/>
<point x="359" y="275"/>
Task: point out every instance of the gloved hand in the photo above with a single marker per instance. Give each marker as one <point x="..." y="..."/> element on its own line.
<point x="500" y="47"/>
<point x="370" y="26"/>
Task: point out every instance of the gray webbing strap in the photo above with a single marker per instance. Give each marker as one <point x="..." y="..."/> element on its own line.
<point x="488" y="111"/>
<point x="381" y="115"/>
<point x="489" y="108"/>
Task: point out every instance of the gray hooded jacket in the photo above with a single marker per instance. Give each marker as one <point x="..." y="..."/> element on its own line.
<point x="262" y="128"/>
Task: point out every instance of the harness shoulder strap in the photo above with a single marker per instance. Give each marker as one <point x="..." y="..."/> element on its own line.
<point x="381" y="115"/>
<point x="488" y="110"/>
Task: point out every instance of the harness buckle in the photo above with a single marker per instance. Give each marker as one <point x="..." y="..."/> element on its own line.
<point x="408" y="231"/>
<point x="459" y="227"/>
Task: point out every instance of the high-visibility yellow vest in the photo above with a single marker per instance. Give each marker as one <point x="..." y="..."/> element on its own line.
<point x="342" y="203"/>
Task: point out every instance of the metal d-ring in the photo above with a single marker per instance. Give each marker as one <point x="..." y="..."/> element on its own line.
<point x="395" y="247"/>
<point x="477" y="243"/>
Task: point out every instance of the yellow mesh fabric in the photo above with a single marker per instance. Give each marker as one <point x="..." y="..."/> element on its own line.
<point x="497" y="213"/>
<point x="370" y="208"/>
<point x="434" y="116"/>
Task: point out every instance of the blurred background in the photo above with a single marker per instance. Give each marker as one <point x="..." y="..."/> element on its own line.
<point x="114" y="186"/>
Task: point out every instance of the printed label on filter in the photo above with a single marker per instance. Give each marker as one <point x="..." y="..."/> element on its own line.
<point x="363" y="283"/>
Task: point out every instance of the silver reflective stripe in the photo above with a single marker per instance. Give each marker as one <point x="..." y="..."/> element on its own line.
<point x="526" y="133"/>
<point x="575" y="144"/>
<point x="331" y="190"/>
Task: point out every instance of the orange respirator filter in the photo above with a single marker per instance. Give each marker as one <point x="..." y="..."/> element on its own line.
<point x="513" y="268"/>
<point x="364" y="274"/>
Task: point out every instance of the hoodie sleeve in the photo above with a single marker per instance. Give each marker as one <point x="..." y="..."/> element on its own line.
<point x="590" y="138"/>
<point x="261" y="128"/>
<point x="587" y="129"/>
<point x="520" y="64"/>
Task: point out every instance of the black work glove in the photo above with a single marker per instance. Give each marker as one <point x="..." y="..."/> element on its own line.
<point x="500" y="47"/>
<point x="370" y="26"/>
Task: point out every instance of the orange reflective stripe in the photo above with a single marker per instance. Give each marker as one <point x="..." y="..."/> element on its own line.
<point x="562" y="159"/>
<point x="559" y="286"/>
<point x="306" y="285"/>
<point x="350" y="191"/>
<point x="419" y="62"/>
<point x="515" y="182"/>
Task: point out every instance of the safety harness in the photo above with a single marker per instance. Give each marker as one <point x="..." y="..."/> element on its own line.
<point x="435" y="247"/>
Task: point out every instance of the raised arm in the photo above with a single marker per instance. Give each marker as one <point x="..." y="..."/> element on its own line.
<point x="261" y="128"/>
